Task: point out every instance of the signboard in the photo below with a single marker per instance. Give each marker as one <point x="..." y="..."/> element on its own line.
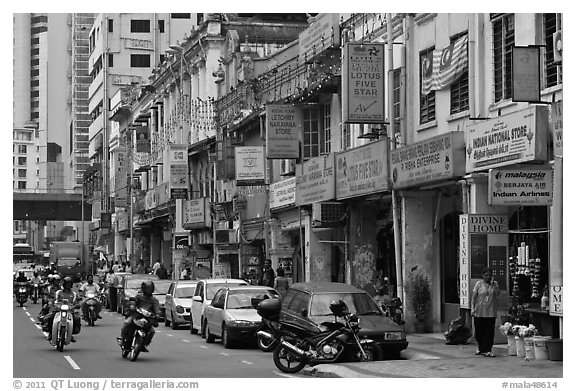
<point x="122" y="220"/>
<point x="315" y="180"/>
<point x="432" y="160"/>
<point x="181" y="242"/>
<point x="362" y="170"/>
<point x="283" y="193"/>
<point x="483" y="243"/>
<point x="250" y="168"/>
<point x="142" y="138"/>
<point x="194" y="213"/>
<point x="520" y="186"/>
<point x="363" y="89"/>
<point x="556" y="300"/>
<point x="178" y="161"/>
<point x="105" y="220"/>
<point x="556" y="127"/>
<point x="283" y="127"/>
<point x="222" y="270"/>
<point x="150" y="200"/>
<point x="526" y="74"/>
<point x="97" y="204"/>
<point x="513" y="138"/>
<point x="324" y="32"/>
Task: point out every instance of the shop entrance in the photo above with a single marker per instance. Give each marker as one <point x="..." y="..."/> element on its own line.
<point x="449" y="264"/>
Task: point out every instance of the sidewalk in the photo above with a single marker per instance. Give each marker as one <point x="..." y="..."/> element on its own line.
<point x="427" y="355"/>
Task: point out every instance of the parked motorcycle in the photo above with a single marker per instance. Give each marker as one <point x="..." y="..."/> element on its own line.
<point x="333" y="341"/>
<point x="143" y="327"/>
<point x="35" y="294"/>
<point x="62" y="325"/>
<point x="92" y="303"/>
<point x="21" y="293"/>
<point x="268" y="333"/>
<point x="393" y="310"/>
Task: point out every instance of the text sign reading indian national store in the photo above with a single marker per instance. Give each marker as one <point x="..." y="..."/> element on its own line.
<point x="315" y="180"/>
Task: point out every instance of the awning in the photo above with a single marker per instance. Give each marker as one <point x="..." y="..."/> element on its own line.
<point x="201" y="253"/>
<point x="150" y="220"/>
<point x="100" y="248"/>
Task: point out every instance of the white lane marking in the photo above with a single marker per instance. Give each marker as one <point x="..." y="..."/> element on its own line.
<point x="170" y="335"/>
<point x="27" y="313"/>
<point x="24" y="308"/>
<point x="224" y="354"/>
<point x="283" y="374"/>
<point x="119" y="318"/>
<point x="204" y="347"/>
<point x="72" y="362"/>
<point x="185" y="340"/>
<point x="247" y="362"/>
<point x="38" y="326"/>
<point x="158" y="331"/>
<point x="32" y="319"/>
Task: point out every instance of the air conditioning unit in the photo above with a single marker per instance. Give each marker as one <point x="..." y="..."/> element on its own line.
<point x="328" y="214"/>
<point x="557" y="46"/>
<point x="288" y="167"/>
<point x="226" y="236"/>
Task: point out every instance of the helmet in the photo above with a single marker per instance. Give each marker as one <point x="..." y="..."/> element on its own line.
<point x="147" y="287"/>
<point x="67" y="283"/>
<point x="338" y="307"/>
<point x="56" y="279"/>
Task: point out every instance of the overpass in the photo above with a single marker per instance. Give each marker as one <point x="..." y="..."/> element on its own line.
<point x="50" y="206"/>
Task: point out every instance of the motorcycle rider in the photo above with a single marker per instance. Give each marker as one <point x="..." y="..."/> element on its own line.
<point x="20" y="279"/>
<point x="147" y="301"/>
<point x="90" y="287"/>
<point x="63" y="294"/>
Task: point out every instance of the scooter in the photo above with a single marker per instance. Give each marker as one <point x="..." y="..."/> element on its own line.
<point x="62" y="326"/>
<point x="91" y="302"/>
<point x="35" y="292"/>
<point x="143" y="327"/>
<point x="393" y="310"/>
<point x="22" y="293"/>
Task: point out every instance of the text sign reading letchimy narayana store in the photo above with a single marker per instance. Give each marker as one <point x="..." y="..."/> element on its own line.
<point x="362" y="170"/>
<point x="513" y="138"/>
<point x="432" y="160"/>
<point x="315" y="180"/>
<point x="283" y="123"/>
<point x="520" y="186"/>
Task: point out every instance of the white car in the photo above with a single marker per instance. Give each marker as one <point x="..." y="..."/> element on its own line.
<point x="203" y="295"/>
<point x="178" y="303"/>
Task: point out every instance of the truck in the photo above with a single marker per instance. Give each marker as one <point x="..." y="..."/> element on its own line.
<point x="68" y="260"/>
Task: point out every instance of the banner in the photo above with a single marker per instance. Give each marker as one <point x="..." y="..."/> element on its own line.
<point x="440" y="68"/>
<point x="142" y="139"/>
<point x="283" y="128"/>
<point x="363" y="91"/>
<point x="520" y="186"/>
<point x="250" y="167"/>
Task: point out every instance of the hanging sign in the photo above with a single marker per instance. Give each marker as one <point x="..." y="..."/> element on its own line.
<point x="363" y="89"/>
<point x="315" y="180"/>
<point x="520" y="186"/>
<point x="513" y="138"/>
<point x="283" y="193"/>
<point x="283" y="125"/>
<point x="526" y="74"/>
<point x="142" y="139"/>
<point x="556" y="127"/>
<point x="178" y="163"/>
<point x="249" y="166"/>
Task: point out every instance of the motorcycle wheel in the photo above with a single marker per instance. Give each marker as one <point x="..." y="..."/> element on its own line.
<point x="373" y="353"/>
<point x="284" y="359"/>
<point x="265" y="346"/>
<point x="91" y="318"/>
<point x="61" y="339"/>
<point x="137" y="348"/>
<point x="35" y="300"/>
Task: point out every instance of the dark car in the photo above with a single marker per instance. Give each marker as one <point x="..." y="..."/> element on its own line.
<point x="160" y="290"/>
<point x="130" y="287"/>
<point x="308" y="305"/>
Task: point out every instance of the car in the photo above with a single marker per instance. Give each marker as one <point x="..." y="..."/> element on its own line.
<point x="178" y="303"/>
<point x="130" y="287"/>
<point x="307" y="305"/>
<point x="205" y="291"/>
<point x="160" y="290"/>
<point x="231" y="317"/>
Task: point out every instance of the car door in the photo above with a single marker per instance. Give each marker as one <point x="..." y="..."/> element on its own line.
<point x="169" y="302"/>
<point x="197" y="305"/>
<point x="216" y="309"/>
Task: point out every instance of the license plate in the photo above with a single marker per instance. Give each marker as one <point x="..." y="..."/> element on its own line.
<point x="393" y="336"/>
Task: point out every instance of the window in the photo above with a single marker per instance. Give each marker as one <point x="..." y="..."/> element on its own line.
<point x="34" y="94"/>
<point x="110" y="25"/>
<point x="21" y="160"/>
<point x="459" y="89"/>
<point x="22" y="149"/>
<point x="346" y="137"/>
<point x="427" y="102"/>
<point x="311" y="131"/>
<point x="34" y="72"/>
<point x="21" y="173"/>
<point x="161" y="25"/>
<point x="35" y="115"/>
<point x="396" y="98"/>
<point x="110" y="60"/>
<point x="34" y="62"/>
<point x="552" y="70"/>
<point x="326" y="135"/>
<point x="288" y="298"/>
<point x="37" y="172"/>
<point x="21" y="184"/>
<point x="162" y="57"/>
<point x="140" y="60"/>
<point x="300" y="303"/>
<point x="502" y="44"/>
<point x="35" y="83"/>
<point x="139" y="26"/>
<point x="180" y="16"/>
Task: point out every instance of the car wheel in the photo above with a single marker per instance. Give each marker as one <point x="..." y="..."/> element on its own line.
<point x="203" y="329"/>
<point x="174" y="324"/>
<point x="226" y="341"/>
<point x="209" y="335"/>
<point x="192" y="329"/>
<point x="166" y="322"/>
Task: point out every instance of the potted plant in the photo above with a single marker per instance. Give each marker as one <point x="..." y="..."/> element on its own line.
<point x="421" y="298"/>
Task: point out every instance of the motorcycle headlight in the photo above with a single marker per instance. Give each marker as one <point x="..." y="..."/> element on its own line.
<point x="241" y="323"/>
<point x="64" y="307"/>
<point x="394" y="336"/>
<point x="179" y="309"/>
<point x="22" y="290"/>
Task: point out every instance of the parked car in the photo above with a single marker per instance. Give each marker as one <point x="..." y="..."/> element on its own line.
<point x="178" y="303"/>
<point x="130" y="287"/>
<point x="160" y="290"/>
<point x="205" y="291"/>
<point x="231" y="317"/>
<point x="308" y="305"/>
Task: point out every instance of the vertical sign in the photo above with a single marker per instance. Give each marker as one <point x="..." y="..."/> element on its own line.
<point x="283" y="124"/>
<point x="556" y="127"/>
<point x="178" y="160"/>
<point x="464" y="279"/>
<point x="142" y="139"/>
<point x="363" y="83"/>
<point x="249" y="166"/>
<point x="556" y="300"/>
<point x="526" y="74"/>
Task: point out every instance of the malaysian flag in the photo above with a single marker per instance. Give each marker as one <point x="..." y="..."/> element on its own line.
<point x="440" y="68"/>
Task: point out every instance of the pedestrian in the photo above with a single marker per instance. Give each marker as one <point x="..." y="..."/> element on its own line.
<point x="188" y="274"/>
<point x="162" y="273"/>
<point x="281" y="282"/>
<point x="184" y="274"/>
<point x="156" y="267"/>
<point x="128" y="268"/>
<point x="483" y="305"/>
<point x="116" y="267"/>
<point x="140" y="269"/>
<point x="268" y="274"/>
<point x="112" y="283"/>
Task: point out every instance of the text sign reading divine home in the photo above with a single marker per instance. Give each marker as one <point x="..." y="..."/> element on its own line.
<point x="363" y="83"/>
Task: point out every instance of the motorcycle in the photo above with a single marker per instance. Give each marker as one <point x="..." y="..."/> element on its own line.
<point x="268" y="333"/>
<point x="22" y="293"/>
<point x="143" y="327"/>
<point x="35" y="292"/>
<point x="394" y="311"/>
<point x="91" y="302"/>
<point x="333" y="341"/>
<point x="62" y="325"/>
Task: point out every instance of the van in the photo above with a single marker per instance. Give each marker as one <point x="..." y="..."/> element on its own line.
<point x="203" y="295"/>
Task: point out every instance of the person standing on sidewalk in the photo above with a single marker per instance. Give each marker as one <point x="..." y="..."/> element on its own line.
<point x="484" y="297"/>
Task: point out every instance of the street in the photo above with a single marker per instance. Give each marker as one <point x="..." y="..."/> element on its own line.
<point x="173" y="354"/>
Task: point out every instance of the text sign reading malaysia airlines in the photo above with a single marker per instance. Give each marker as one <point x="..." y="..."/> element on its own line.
<point x="362" y="170"/>
<point x="315" y="180"/>
<point x="363" y="83"/>
<point x="520" y="186"/>
<point x="435" y="159"/>
<point x="283" y="193"/>
<point x="517" y="137"/>
<point x="283" y="124"/>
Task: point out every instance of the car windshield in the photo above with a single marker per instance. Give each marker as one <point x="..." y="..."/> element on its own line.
<point x="68" y="261"/>
<point x="134" y="284"/>
<point x="242" y="299"/>
<point x="211" y="289"/>
<point x="185" y="292"/>
<point x="161" y="287"/>
<point x="358" y="303"/>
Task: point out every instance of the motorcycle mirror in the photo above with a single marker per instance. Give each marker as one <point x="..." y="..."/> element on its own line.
<point x="304" y="312"/>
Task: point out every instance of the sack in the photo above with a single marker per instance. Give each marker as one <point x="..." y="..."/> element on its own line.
<point x="458" y="333"/>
